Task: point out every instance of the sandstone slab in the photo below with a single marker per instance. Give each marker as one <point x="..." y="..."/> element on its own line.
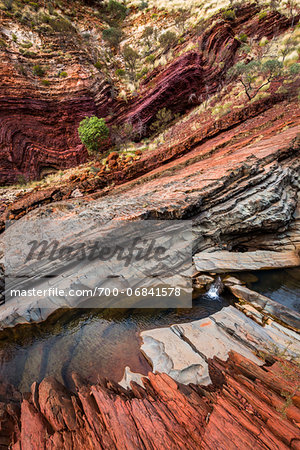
<point x="168" y="353"/>
<point x="177" y="349"/>
<point x="275" y="309"/>
<point x="224" y="261"/>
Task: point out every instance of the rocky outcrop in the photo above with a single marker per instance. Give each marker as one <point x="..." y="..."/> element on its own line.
<point x="257" y="406"/>
<point x="240" y="196"/>
<point x="182" y="351"/>
<point x="225" y="261"/>
<point x="286" y="315"/>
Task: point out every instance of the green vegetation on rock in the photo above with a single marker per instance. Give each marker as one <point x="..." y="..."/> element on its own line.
<point x="92" y="131"/>
<point x="38" y="70"/>
<point x="112" y="36"/>
<point x="248" y="74"/>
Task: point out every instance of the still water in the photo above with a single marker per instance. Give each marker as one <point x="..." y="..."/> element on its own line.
<point x="92" y="343"/>
<point x="282" y="285"/>
<point x="102" y="343"/>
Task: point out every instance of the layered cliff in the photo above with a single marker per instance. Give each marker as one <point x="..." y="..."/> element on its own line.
<point x="48" y="88"/>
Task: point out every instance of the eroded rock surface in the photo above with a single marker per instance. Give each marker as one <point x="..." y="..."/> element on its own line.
<point x="257" y="406"/>
<point x="182" y="351"/>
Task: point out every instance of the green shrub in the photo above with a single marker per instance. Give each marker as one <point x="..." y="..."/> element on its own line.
<point x="61" y="25"/>
<point x="98" y="65"/>
<point x="38" y="70"/>
<point x="143" y="5"/>
<point x="92" y="131"/>
<point x="142" y="73"/>
<point x="262" y="15"/>
<point x="27" y="53"/>
<point x="148" y="36"/>
<point x="45" y="82"/>
<point x="243" y="37"/>
<point x="167" y="39"/>
<point x="162" y="119"/>
<point x="112" y="36"/>
<point x="116" y="11"/>
<point x="63" y="74"/>
<point x="229" y="14"/>
<point x="14" y="37"/>
<point x="150" y="59"/>
<point x="44" y="18"/>
<point x="27" y="44"/>
<point x="3" y="44"/>
<point x="294" y="69"/>
<point x="120" y="72"/>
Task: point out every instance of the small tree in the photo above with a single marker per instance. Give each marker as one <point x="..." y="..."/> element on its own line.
<point x="38" y="70"/>
<point x="289" y="46"/>
<point x="293" y="9"/>
<point x="130" y="57"/>
<point x="92" y="131"/>
<point x="181" y="19"/>
<point x="247" y="74"/>
<point x="112" y="36"/>
<point x="167" y="39"/>
<point x="116" y="11"/>
<point x="148" y="35"/>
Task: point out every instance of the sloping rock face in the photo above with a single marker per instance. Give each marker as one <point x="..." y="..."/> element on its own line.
<point x="257" y="407"/>
<point x="239" y="189"/>
<point x="39" y="124"/>
<point x="182" y="351"/>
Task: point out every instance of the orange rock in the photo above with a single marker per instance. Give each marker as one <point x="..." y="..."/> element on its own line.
<point x="238" y="411"/>
<point x="113" y="156"/>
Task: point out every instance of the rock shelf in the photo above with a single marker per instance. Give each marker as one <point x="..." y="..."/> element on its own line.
<point x="182" y="351"/>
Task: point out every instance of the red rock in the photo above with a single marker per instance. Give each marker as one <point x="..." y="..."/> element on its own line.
<point x="242" y="411"/>
<point x="39" y="131"/>
<point x="113" y="156"/>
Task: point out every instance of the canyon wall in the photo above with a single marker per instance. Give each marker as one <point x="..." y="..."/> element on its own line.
<point x="38" y="123"/>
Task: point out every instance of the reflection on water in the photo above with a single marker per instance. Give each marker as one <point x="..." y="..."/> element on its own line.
<point x="90" y="342"/>
<point x="282" y="285"/>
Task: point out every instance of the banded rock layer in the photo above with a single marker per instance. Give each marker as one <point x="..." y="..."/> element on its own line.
<point x="38" y="128"/>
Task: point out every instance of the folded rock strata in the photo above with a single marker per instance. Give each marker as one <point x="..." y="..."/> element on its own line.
<point x="243" y="196"/>
<point x="39" y="124"/>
